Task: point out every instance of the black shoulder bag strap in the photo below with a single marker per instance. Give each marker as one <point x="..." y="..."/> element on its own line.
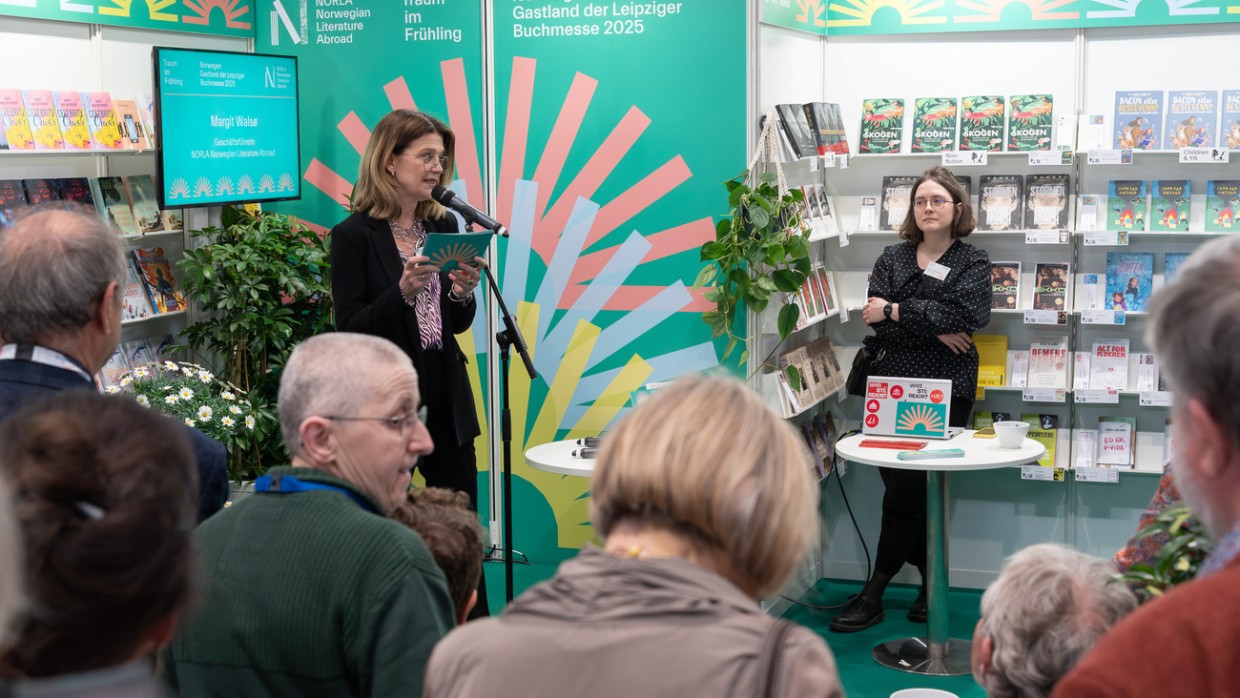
<point x="768" y="659"/>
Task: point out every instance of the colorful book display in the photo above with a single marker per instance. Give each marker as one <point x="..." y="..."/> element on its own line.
<point x="1222" y="205"/>
<point x="44" y="125"/>
<point x="1130" y="280"/>
<point x="999" y="202"/>
<point x="882" y="125"/>
<point x="1169" y="204"/>
<point x="1192" y="118"/>
<point x="14" y="122"/>
<point x="1030" y="120"/>
<point x="897" y="197"/>
<point x="1046" y="201"/>
<point x="1138" y="120"/>
<point x="1004" y="285"/>
<point x="1126" y="204"/>
<point x="161" y="286"/>
<point x="934" y="124"/>
<point x="981" y="123"/>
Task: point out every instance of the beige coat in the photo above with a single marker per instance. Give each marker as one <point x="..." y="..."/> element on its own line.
<point x="610" y="626"/>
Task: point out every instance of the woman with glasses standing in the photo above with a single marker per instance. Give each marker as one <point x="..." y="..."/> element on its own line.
<point x="383" y="285"/>
<point x="928" y="294"/>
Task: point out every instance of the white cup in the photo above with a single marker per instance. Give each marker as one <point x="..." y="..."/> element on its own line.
<point x="923" y="693"/>
<point x="1011" y="434"/>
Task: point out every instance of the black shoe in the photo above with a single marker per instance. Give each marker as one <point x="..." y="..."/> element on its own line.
<point x="858" y="615"/>
<point x="918" y="613"/>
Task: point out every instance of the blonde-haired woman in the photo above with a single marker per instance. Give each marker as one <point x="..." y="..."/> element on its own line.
<point x="705" y="500"/>
<point x="382" y="285"/>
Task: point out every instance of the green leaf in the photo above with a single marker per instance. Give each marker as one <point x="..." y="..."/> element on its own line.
<point x="797" y="247"/>
<point x="788" y="319"/>
<point x="787" y="281"/>
<point x="705" y="276"/>
<point x="728" y="348"/>
<point x="794" y="377"/>
<point x="743" y="358"/>
<point x="713" y="250"/>
<point x="765" y="283"/>
<point x="759" y="217"/>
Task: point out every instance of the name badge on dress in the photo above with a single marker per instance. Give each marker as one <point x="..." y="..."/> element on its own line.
<point x="938" y="271"/>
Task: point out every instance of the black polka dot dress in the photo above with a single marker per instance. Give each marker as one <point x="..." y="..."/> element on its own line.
<point x="928" y="308"/>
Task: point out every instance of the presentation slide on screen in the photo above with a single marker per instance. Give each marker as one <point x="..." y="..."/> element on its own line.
<point x="228" y="127"/>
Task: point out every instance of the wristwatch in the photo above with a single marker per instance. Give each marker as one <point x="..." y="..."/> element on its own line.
<point x="887" y="311"/>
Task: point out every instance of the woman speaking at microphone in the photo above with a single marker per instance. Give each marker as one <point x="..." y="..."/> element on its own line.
<point x="383" y="285"/>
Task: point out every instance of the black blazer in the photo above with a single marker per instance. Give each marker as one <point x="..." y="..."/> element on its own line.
<point x="366" y="267"/>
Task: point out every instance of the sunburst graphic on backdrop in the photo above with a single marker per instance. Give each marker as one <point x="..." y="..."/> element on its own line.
<point x="860" y="13"/>
<point x="457" y="253"/>
<point x="992" y="10"/>
<point x="920" y="419"/>
<point x="567" y="260"/>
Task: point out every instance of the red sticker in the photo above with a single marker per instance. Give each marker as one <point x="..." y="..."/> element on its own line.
<point x="936" y="396"/>
<point x="897" y="391"/>
<point x="871" y="406"/>
<point x="871" y="420"/>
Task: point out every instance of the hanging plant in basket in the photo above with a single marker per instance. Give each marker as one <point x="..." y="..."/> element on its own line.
<point x="761" y="248"/>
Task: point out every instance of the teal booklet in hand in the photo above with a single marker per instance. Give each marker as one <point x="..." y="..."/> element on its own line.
<point x="448" y="250"/>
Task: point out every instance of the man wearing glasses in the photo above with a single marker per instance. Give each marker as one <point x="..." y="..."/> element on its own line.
<point x="313" y="590"/>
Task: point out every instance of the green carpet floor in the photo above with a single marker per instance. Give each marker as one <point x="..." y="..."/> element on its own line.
<point x="862" y="676"/>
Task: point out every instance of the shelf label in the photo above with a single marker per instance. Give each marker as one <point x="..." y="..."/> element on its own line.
<point x="1214" y="156"/>
<point x="828" y="159"/>
<point x="1096" y="396"/>
<point x="813" y="163"/>
<point x="1156" y="398"/>
<point x="1102" y="317"/>
<point x="844" y="315"/>
<point x="1046" y="237"/>
<point x="955" y="158"/>
<point x="1108" y="238"/>
<point x="843" y="238"/>
<point x="1109" y="157"/>
<point x="1050" y="157"/>
<point x="1033" y="471"/>
<point x="1107" y="475"/>
<point x="1043" y="394"/>
<point x="1045" y="317"/>
<point x="843" y="160"/>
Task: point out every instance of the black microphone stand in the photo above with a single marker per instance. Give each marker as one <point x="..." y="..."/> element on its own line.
<point x="507" y="338"/>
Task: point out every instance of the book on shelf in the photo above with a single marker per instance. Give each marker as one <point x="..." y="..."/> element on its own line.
<point x="982" y="120"/>
<point x="1030" y="121"/>
<point x="824" y="424"/>
<point x="819" y="125"/>
<point x="838" y="142"/>
<point x="804" y="301"/>
<point x="1147" y="372"/>
<point x="1108" y="365"/>
<point x="1044" y="428"/>
<point x="72" y="117"/>
<point x="44" y="124"/>
<point x="1004" y="285"/>
<point x="1018" y="368"/>
<point x="172" y="218"/>
<point x="40" y="189"/>
<point x="1192" y="118"/>
<point x="101" y="118"/>
<point x="1050" y="286"/>
<point x="1092" y="288"/>
<point x="163" y="346"/>
<point x="810" y="204"/>
<point x="113" y="202"/>
<point x="824" y="360"/>
<point x="1116" y="437"/>
<point x="896" y="197"/>
<point x="991" y="362"/>
<point x="129" y="121"/>
<point x="145" y="206"/>
<point x="136" y="300"/>
<point x="985" y="420"/>
<point x="1126" y="204"/>
<point x="1138" y="120"/>
<point x="115" y="367"/>
<point x="867" y="217"/>
<point x="1046" y="201"/>
<point x="882" y="125"/>
<point x="966" y="183"/>
<point x="825" y="209"/>
<point x="1130" y="280"/>
<point x="1222" y="205"/>
<point x="1080" y="371"/>
<point x="1087" y="206"/>
<point x="1084" y="448"/>
<point x="12" y="199"/>
<point x="1172" y="264"/>
<point x="999" y="201"/>
<point x="146" y="108"/>
<point x="816" y="446"/>
<point x="934" y="124"/>
<point x="161" y="285"/>
<point x="138" y="353"/>
<point x="825" y="283"/>
<point x="796" y="129"/>
<point x="1229" y="119"/>
<point x="14" y="121"/>
<point x="1169" y="204"/>
<point x="76" y="189"/>
<point x="1048" y="363"/>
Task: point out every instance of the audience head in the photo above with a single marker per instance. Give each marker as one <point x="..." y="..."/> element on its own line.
<point x="105" y="492"/>
<point x="62" y="272"/>
<point x="348" y="406"/>
<point x="963" y="218"/>
<point x="1048" y="607"/>
<point x="378" y="192"/>
<point x="706" y="458"/>
<point x="11" y="563"/>
<point x="446" y="523"/>
<point x="1194" y="330"/>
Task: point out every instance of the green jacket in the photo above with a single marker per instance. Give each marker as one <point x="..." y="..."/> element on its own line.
<point x="309" y="594"/>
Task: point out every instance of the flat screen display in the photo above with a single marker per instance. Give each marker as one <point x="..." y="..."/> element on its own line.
<point x="227" y="127"/>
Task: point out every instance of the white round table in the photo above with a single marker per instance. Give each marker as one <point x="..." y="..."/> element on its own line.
<point x="557" y="457"/>
<point x="937" y="654"/>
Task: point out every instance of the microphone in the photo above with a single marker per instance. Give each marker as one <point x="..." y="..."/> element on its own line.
<point x="446" y="197"/>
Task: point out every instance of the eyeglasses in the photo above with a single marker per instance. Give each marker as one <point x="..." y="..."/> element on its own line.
<point x="936" y="202"/>
<point x="402" y="423"/>
<point x="429" y="158"/>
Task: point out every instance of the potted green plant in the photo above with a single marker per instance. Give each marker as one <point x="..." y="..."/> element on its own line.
<point x="1179" y="558"/>
<point x="260" y="282"/>
<point x="760" y="248"/>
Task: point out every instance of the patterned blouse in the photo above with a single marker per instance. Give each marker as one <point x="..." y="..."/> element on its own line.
<point x="1144" y="551"/>
<point x="929" y="307"/>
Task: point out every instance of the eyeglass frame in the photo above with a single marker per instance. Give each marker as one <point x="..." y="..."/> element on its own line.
<point x="400" y="423"/>
<point x="429" y="157"/>
<point x="941" y="202"/>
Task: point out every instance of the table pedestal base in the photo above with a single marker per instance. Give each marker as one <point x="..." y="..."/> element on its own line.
<point x="915" y="656"/>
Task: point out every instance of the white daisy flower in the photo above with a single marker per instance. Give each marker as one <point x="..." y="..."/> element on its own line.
<point x="186" y="393"/>
<point x="204" y="413"/>
<point x="171" y="366"/>
<point x="111" y="390"/>
<point x="189" y="422"/>
<point x="126" y="380"/>
<point x="226" y="421"/>
<point x="233" y="409"/>
<point x="141" y="400"/>
<point x="249" y="422"/>
<point x="228" y="395"/>
<point x="167" y="388"/>
<point x="171" y="399"/>
<point x="141" y="372"/>
<point x="205" y="376"/>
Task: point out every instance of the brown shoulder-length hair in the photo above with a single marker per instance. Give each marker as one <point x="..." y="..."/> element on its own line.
<point x="964" y="220"/>
<point x="375" y="193"/>
<point x="106" y="494"/>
